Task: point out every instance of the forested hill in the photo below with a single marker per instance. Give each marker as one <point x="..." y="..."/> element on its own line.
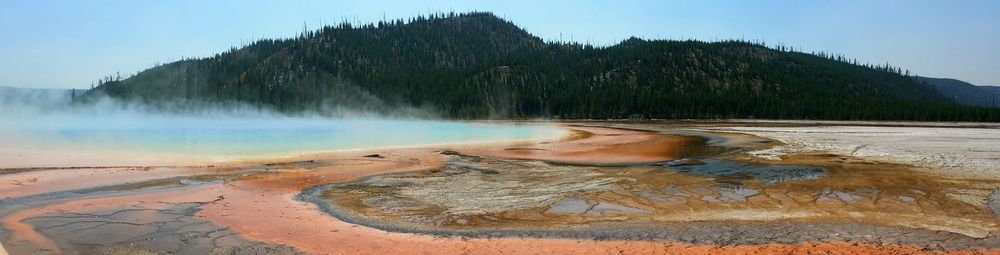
<point x="479" y="66"/>
<point x="964" y="93"/>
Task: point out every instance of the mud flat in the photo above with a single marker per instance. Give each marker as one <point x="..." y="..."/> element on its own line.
<point x="681" y="189"/>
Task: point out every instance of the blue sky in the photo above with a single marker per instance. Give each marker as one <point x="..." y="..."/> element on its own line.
<point x="48" y="43"/>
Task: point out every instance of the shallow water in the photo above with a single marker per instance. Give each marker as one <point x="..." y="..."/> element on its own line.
<point x="766" y="174"/>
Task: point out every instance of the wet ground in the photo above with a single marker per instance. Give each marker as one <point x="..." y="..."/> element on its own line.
<point x="598" y="191"/>
<point x="158" y="219"/>
<point x="682" y="200"/>
<point x="152" y="228"/>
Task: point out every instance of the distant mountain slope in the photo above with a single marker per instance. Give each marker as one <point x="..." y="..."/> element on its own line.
<point x="964" y="93"/>
<point x="994" y="90"/>
<point x="479" y="66"/>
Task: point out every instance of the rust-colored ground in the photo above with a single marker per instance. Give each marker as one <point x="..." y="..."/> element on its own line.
<point x="262" y="205"/>
<point x="595" y="146"/>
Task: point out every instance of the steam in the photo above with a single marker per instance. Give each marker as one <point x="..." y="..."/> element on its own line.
<point x="53" y="123"/>
<point x="37" y="109"/>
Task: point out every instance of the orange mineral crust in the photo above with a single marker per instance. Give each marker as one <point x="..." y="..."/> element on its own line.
<point x="25" y="232"/>
<point x="260" y="206"/>
<point x="302" y="226"/>
<point x="277" y="218"/>
<point x="597" y="146"/>
<point x="35" y="182"/>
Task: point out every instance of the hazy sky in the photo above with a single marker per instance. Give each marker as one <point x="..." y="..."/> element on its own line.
<point x="67" y="44"/>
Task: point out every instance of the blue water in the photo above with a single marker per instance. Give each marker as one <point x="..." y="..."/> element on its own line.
<point x="271" y="136"/>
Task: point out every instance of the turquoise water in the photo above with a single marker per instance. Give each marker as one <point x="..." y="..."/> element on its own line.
<point x="230" y="136"/>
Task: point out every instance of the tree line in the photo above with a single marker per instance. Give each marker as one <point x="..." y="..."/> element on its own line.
<point x="476" y="65"/>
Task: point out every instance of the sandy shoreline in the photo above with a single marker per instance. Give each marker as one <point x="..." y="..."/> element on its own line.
<point x="258" y="199"/>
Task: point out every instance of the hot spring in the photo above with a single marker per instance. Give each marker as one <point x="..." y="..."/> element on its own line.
<point x="28" y="137"/>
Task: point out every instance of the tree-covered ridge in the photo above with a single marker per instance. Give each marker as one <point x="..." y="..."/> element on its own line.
<point x="964" y="93"/>
<point x="476" y="65"/>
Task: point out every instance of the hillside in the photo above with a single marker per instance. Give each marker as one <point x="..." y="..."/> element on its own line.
<point x="479" y="66"/>
<point x="993" y="90"/>
<point x="964" y="93"/>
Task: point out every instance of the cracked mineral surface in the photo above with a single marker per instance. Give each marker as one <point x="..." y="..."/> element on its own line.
<point x="601" y="190"/>
<point x="478" y="196"/>
<point x="143" y="228"/>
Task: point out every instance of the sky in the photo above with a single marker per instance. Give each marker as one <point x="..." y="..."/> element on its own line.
<point x="70" y="44"/>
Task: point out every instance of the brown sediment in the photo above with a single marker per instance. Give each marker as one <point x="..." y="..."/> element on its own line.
<point x="258" y="201"/>
<point x="300" y="225"/>
<point x="710" y="212"/>
<point x="599" y="146"/>
<point x="526" y="198"/>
